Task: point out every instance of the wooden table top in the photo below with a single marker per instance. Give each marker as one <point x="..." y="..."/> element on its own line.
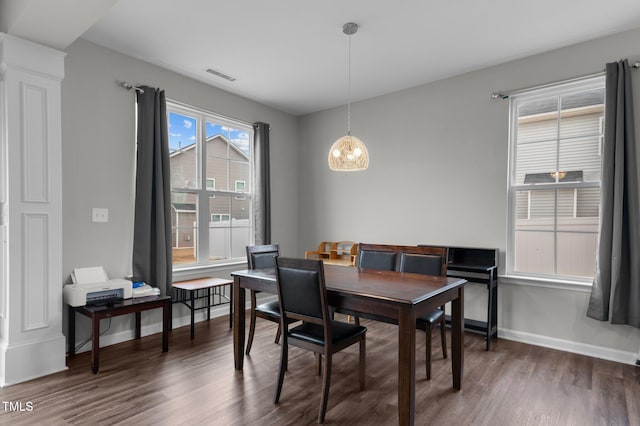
<point x="202" y="283"/>
<point x="389" y="286"/>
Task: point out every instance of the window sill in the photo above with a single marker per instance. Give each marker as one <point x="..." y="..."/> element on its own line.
<point x="580" y="286"/>
<point x="200" y="271"/>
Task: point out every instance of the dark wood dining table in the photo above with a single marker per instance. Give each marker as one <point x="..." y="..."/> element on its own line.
<point x="398" y="296"/>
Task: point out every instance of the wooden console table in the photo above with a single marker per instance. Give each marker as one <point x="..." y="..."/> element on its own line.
<point x="127" y="306"/>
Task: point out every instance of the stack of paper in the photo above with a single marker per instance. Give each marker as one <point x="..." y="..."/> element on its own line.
<point x="146" y="290"/>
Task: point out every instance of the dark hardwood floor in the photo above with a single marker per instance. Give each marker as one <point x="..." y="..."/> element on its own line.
<point x="195" y="383"/>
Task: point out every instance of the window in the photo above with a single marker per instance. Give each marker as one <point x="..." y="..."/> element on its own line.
<point x="211" y="161"/>
<point x="220" y="217"/>
<point x="554" y="180"/>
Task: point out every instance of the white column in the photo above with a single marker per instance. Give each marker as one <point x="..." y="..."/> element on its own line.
<point x="31" y="339"/>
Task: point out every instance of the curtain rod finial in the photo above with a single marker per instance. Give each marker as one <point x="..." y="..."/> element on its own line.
<point x="496" y="95"/>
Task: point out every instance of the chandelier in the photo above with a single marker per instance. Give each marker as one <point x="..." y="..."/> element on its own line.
<point x="348" y="154"/>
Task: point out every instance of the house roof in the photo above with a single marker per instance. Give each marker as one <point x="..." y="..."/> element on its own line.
<point x="210" y="139"/>
<point x="184" y="207"/>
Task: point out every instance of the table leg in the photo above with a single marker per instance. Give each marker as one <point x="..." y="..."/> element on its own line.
<point x="95" y="344"/>
<point x="166" y="323"/>
<point x="489" y="313"/>
<point x="231" y="306"/>
<point x="209" y="304"/>
<point x="457" y="338"/>
<point x="193" y="311"/>
<point x="71" y="335"/>
<point x="238" y="323"/>
<point x="137" y="332"/>
<point x="406" y="366"/>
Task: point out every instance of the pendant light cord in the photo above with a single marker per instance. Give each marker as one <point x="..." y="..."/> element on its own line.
<point x="349" y="92"/>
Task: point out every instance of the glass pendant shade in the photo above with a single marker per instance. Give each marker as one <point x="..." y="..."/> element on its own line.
<point x="348" y="154"/>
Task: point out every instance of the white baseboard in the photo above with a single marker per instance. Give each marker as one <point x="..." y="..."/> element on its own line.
<point x="569" y="346"/>
<point x="32" y="359"/>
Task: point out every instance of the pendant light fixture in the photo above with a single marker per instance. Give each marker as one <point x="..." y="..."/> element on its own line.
<point x="348" y="154"/>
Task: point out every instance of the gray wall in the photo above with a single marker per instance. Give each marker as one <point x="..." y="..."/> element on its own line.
<point x="438" y="175"/>
<point x="98" y="137"/>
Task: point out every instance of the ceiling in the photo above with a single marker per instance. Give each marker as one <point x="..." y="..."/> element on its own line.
<point x="293" y="56"/>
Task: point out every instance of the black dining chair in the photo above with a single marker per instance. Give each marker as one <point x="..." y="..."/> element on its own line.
<point x="378" y="260"/>
<point x="428" y="264"/>
<point x="303" y="296"/>
<point x="261" y="257"/>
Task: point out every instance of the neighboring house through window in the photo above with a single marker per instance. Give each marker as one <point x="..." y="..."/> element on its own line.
<point x="554" y="181"/>
<point x="220" y="217"/>
<point x="211" y="160"/>
<point x="211" y="184"/>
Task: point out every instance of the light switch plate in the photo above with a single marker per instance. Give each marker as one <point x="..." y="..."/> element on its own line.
<point x="100" y="215"/>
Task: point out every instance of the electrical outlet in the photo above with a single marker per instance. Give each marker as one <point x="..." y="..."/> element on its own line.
<point x="100" y="215"/>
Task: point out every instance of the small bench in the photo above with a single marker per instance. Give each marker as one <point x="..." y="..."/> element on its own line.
<point x="187" y="295"/>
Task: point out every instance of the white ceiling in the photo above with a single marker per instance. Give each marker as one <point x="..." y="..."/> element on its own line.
<point x="292" y="54"/>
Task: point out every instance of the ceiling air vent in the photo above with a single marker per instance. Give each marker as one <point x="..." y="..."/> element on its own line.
<point x="220" y="74"/>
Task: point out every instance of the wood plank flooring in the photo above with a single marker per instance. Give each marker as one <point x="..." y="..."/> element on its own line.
<point x="195" y="384"/>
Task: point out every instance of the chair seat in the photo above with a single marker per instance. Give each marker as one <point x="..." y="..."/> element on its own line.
<point x="271" y="311"/>
<point x="269" y="308"/>
<point x="314" y="333"/>
<point x="431" y="317"/>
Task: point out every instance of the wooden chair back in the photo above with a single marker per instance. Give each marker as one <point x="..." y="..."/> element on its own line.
<point x="402" y="258"/>
<point x="263" y="256"/>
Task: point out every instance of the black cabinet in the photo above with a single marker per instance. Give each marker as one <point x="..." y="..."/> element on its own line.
<point x="478" y="265"/>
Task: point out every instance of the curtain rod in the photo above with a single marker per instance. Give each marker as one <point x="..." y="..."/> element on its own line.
<point x="505" y="95"/>
<point x="129" y="86"/>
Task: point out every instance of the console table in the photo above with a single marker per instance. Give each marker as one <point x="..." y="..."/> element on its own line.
<point x="127" y="306"/>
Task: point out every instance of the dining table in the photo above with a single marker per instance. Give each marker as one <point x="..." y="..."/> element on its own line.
<point x="401" y="297"/>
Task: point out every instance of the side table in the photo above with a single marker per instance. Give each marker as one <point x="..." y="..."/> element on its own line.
<point x="192" y="287"/>
<point x="127" y="306"/>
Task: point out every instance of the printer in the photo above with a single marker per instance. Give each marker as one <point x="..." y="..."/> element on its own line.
<point x="92" y="286"/>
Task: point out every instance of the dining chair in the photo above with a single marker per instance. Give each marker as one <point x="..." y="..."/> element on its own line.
<point x="379" y="260"/>
<point x="373" y="259"/>
<point x="303" y="296"/>
<point x="428" y="264"/>
<point x="260" y="257"/>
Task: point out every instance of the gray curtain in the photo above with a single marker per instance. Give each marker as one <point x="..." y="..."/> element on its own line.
<point x="262" y="184"/>
<point x="615" y="295"/>
<point x="152" y="261"/>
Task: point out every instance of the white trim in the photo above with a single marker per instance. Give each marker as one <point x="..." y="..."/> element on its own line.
<point x="580" y="286"/>
<point x="569" y="346"/>
<point x="200" y="271"/>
